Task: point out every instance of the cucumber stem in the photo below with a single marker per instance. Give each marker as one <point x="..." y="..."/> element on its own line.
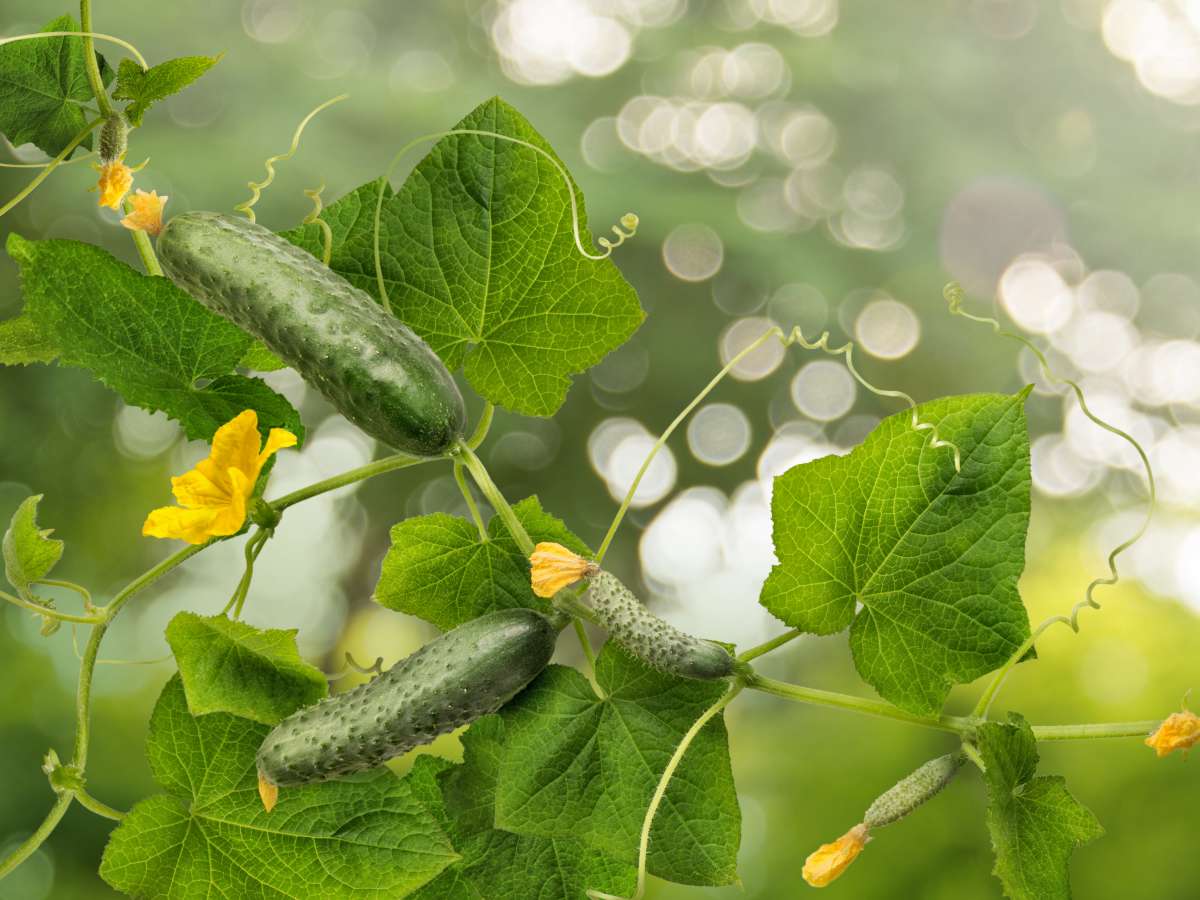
<point x="89" y="59"/>
<point x="480" y="473"/>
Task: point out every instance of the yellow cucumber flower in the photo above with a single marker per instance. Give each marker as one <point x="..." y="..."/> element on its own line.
<point x="116" y="179"/>
<point x="1181" y="731"/>
<point x="147" y="211"/>
<point x="553" y="567"/>
<point x="213" y="496"/>
<point x="825" y="864"/>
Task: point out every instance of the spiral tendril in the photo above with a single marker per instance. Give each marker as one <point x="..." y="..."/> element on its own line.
<point x="955" y="298"/>
<point x="257" y="187"/>
<point x="628" y="222"/>
<point x="314" y="217"/>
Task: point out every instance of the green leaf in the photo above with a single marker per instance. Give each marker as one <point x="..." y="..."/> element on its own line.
<point x="146" y="88"/>
<point x="439" y="569"/>
<point x="479" y="258"/>
<point x="259" y="359"/>
<point x="229" y="666"/>
<point x="29" y="552"/>
<point x="22" y="344"/>
<point x="921" y="562"/>
<point x="208" y="834"/>
<point x="143" y="337"/>
<point x="587" y="766"/>
<point x="498" y="863"/>
<point x="1034" y="821"/>
<point x="43" y="89"/>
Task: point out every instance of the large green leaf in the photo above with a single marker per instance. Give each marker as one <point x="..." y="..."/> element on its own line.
<point x="229" y="666"/>
<point x="498" y="863"/>
<point x="145" y="88"/>
<point x="29" y="551"/>
<point x="582" y="765"/>
<point x="208" y="835"/>
<point x="43" y="89"/>
<point x="920" y="561"/>
<point x="142" y="336"/>
<point x="1034" y="821"/>
<point x="439" y="569"/>
<point x="479" y="258"/>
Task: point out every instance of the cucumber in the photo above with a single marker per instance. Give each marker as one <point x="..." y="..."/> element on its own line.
<point x="649" y="638"/>
<point x="913" y="790"/>
<point x="377" y="372"/>
<point x="453" y="680"/>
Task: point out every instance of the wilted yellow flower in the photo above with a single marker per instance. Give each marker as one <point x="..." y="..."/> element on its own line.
<point x="268" y="793"/>
<point x="829" y="861"/>
<point x="116" y="179"/>
<point x="214" y="495"/>
<point x="147" y="211"/>
<point x="1181" y="731"/>
<point x="553" y="567"/>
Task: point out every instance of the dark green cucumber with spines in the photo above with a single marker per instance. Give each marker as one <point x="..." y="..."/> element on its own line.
<point x="377" y="372"/>
<point x="653" y="641"/>
<point x="453" y="680"/>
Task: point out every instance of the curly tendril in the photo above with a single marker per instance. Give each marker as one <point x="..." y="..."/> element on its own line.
<point x="257" y="187"/>
<point x="629" y="221"/>
<point x="314" y="217"/>
<point x="795" y="336"/>
<point x="955" y="297"/>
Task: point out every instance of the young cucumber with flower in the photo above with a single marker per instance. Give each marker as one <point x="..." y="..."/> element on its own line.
<point x="574" y="782"/>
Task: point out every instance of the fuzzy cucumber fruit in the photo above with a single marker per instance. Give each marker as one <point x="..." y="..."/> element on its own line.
<point x="649" y="638"/>
<point x="453" y="680"/>
<point x="377" y="372"/>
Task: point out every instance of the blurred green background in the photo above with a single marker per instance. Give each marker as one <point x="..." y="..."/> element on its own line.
<point x="815" y="163"/>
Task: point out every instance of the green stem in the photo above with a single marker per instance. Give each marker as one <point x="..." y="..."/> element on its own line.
<point x="461" y="480"/>
<point x="87" y="667"/>
<point x="666" y="435"/>
<point x="145" y="249"/>
<point x="70" y="586"/>
<point x="499" y="504"/>
<point x="89" y="59"/>
<point x="50" y="612"/>
<point x="380" y="466"/>
<point x="865" y="705"/>
<point x="88" y="802"/>
<point x="52" y="165"/>
<point x="1093" y="732"/>
<point x="35" y="840"/>
<point x="483" y="426"/>
<point x="660" y="791"/>
<point x="971" y="752"/>
<point x="768" y="646"/>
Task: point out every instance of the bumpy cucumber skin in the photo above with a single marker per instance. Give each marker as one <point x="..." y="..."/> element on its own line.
<point x="453" y="680"/>
<point x="372" y="367"/>
<point x="912" y="791"/>
<point x="649" y="638"/>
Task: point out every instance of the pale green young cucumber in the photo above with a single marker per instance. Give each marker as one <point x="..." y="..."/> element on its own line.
<point x="377" y="372"/>
<point x="912" y="791"/>
<point x="649" y="638"/>
<point x="453" y="680"/>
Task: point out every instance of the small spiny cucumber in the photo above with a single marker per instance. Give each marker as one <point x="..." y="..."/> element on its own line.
<point x="453" y="680"/>
<point x="377" y="372"/>
<point x="913" y="790"/>
<point x="649" y="638"/>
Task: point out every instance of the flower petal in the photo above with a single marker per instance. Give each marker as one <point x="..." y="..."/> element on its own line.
<point x="196" y="490"/>
<point x="147" y="211"/>
<point x="825" y="864"/>
<point x="191" y="525"/>
<point x="115" y="180"/>
<point x="553" y="567"/>
<point x="1180" y="731"/>
<point x="234" y="446"/>
<point x="278" y="439"/>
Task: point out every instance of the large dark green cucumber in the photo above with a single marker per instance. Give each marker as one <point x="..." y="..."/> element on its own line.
<point x="377" y="372"/>
<point x="464" y="674"/>
<point x="649" y="638"/>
